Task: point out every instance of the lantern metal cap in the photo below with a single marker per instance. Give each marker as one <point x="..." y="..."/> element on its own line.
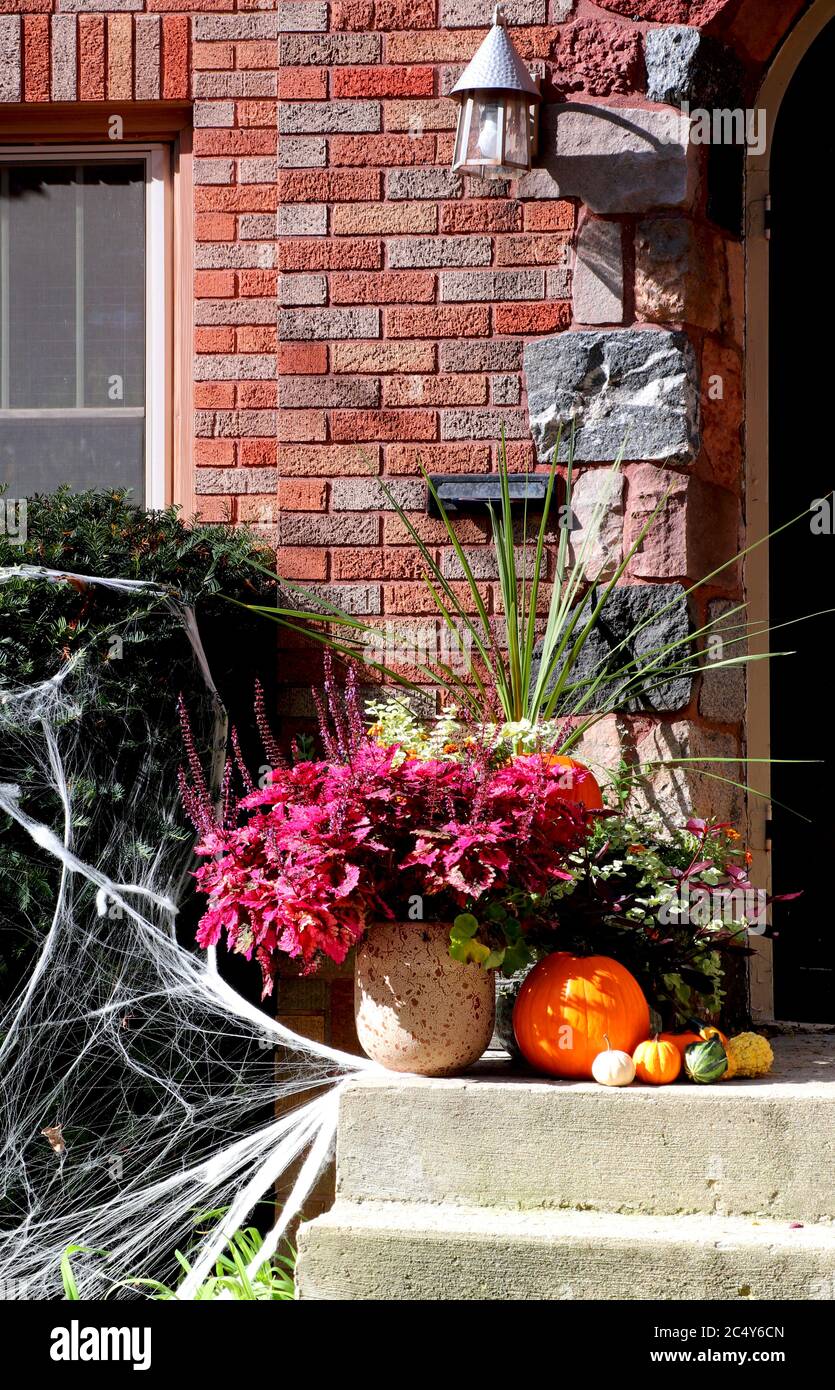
<point x="497" y="66"/>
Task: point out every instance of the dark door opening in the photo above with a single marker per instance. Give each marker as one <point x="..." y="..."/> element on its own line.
<point x="802" y="563"/>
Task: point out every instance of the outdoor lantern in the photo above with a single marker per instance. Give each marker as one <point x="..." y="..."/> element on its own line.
<point x="497" y="119"/>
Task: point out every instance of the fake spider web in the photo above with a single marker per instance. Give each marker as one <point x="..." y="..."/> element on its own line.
<point x="137" y="1087"/>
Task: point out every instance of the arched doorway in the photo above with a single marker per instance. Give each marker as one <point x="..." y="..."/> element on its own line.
<point x="791" y="295"/>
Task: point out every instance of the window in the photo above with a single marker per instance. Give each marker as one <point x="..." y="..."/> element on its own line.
<point x="82" y="321"/>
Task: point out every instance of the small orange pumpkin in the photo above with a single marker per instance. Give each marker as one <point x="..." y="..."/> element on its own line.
<point x="567" y="1007"/>
<point x="657" y="1061"/>
<point x="578" y="784"/>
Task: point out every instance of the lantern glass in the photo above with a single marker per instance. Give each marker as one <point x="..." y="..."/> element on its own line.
<point x="494" y="134"/>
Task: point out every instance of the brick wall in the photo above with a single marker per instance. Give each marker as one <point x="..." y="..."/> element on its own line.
<point x="382" y="318"/>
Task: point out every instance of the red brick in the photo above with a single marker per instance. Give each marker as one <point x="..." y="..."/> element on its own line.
<point x="530" y="249"/>
<point x="214" y="226"/>
<point x="376" y="357"/>
<point x="260" y="338"/>
<point x="405" y="459"/>
<point x="328" y="185"/>
<point x="256" y="395"/>
<point x="119" y="57"/>
<point x="416" y="598"/>
<point x="397" y="150"/>
<point x="261" y="113"/>
<point x="305" y="495"/>
<point x="258" y="54"/>
<point x="214" y="509"/>
<point x="214" y="284"/>
<point x="245" y="197"/>
<point x="303" y="359"/>
<point x="352" y="16"/>
<point x="258" y="453"/>
<point x="90" y="57"/>
<point x="385" y="563"/>
<point x="438" y="46"/>
<point x="299" y="562"/>
<point x="532" y="318"/>
<point x="258" y="510"/>
<point x="393" y="15"/>
<point x="214" y="340"/>
<point x="214" y="142"/>
<point x="175" y="30"/>
<point x="217" y="453"/>
<point x="257" y="283"/>
<point x="214" y="395"/>
<point x="389" y="287"/>
<point x="302" y="84"/>
<point x="481" y="215"/>
<point x="302" y="425"/>
<point x="316" y="253"/>
<point x="441" y="321"/>
<point x="36" y="58"/>
<point x="469" y="530"/>
<point x="398" y="81"/>
<point x="381" y="424"/>
<point x="461" y="388"/>
<point x="549" y="217"/>
<point x="384" y="219"/>
<point x="333" y="460"/>
<point x="212" y="57"/>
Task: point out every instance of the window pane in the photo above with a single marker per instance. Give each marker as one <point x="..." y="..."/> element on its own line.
<point x="40" y="283"/>
<point x="114" y="285"/>
<point x="38" y="455"/>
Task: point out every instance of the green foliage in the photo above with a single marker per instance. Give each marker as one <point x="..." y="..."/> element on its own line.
<point x="273" y="1282"/>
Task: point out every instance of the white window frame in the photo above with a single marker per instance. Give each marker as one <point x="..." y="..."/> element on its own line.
<point x="157" y="297"/>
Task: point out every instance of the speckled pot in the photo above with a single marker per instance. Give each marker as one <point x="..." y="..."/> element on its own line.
<point x="417" y="1009"/>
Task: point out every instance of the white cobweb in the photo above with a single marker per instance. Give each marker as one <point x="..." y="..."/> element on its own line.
<point x="164" y="1093"/>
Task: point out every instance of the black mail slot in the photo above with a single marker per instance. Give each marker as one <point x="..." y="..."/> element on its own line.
<point x="469" y="491"/>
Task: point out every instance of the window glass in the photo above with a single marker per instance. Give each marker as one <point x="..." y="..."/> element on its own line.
<point x="72" y="325"/>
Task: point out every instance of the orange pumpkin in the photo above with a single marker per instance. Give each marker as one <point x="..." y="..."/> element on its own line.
<point x="578" y="784"/>
<point x="681" y="1041"/>
<point x="657" y="1061"/>
<point x="568" y="1006"/>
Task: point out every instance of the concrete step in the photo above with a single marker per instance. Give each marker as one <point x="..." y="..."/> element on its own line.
<point x="406" y="1250"/>
<point x="497" y="1139"/>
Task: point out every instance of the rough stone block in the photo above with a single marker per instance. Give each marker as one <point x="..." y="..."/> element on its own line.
<point x="678" y="790"/>
<point x="636" y="621"/>
<point x="633" y="386"/>
<point x="722" y="696"/>
<point x="694" y="533"/>
<point x="684" y="65"/>
<point x="679" y="273"/>
<point x="616" y="159"/>
<point x="597" y="521"/>
<point x="597" y="286"/>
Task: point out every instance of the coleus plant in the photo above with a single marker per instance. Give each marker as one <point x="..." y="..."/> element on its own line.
<point x="303" y="864"/>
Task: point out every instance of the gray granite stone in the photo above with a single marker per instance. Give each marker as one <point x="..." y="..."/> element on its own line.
<point x="643" y="618"/>
<point x="634" y="386"/>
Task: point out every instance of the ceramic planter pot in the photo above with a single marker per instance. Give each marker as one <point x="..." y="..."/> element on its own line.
<point x="418" y="1010"/>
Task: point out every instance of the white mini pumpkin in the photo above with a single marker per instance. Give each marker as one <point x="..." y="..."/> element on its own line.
<point x="612" y="1067"/>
